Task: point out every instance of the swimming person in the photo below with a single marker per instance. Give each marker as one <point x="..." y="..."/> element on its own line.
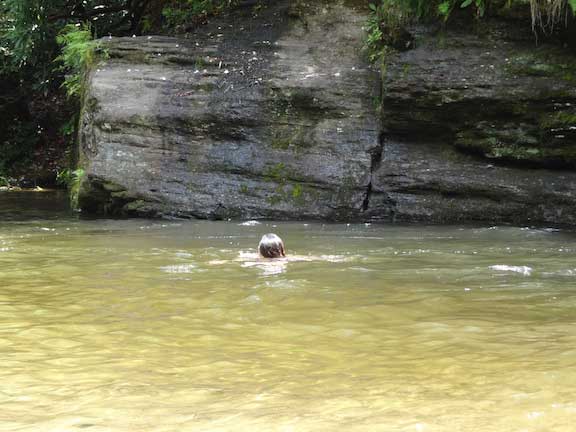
<point x="271" y="258"/>
<point x="271" y="246"/>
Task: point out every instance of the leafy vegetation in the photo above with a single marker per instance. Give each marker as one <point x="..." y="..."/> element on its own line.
<point x="77" y="56"/>
<point x="71" y="179"/>
<point x="180" y="12"/>
<point x="386" y="26"/>
<point x="46" y="48"/>
<point x="30" y="29"/>
<point x="545" y="13"/>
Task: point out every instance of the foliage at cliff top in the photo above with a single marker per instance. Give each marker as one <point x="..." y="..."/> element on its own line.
<point x="386" y="26"/>
<point x="45" y="43"/>
<point x="28" y="28"/>
<point x="77" y="57"/>
<point x="546" y="14"/>
<point x="177" y="13"/>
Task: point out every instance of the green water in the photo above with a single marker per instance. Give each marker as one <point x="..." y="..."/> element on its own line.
<point x="131" y="326"/>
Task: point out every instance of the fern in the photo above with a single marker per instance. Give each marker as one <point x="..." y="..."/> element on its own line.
<point x="77" y="57"/>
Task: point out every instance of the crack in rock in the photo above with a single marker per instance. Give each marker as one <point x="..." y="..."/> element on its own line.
<point x="375" y="162"/>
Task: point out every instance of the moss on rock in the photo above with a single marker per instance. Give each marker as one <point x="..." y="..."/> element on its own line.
<point x="545" y="61"/>
<point x="540" y="144"/>
<point x="559" y="120"/>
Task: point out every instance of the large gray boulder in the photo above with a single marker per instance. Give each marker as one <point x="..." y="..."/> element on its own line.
<point x="251" y="117"/>
<point x="273" y="113"/>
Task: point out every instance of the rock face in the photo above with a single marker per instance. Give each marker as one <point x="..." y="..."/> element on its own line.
<point x="271" y="116"/>
<point x="276" y="116"/>
<point x="432" y="181"/>
<point x="478" y="127"/>
<point x="498" y="95"/>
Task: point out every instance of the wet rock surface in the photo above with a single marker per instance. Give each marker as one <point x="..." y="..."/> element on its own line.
<point x="478" y="127"/>
<point x="266" y="114"/>
<point x="272" y="113"/>
<point x="434" y="182"/>
<point x="493" y="92"/>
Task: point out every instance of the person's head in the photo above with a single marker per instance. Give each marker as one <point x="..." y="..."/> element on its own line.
<point x="271" y="246"/>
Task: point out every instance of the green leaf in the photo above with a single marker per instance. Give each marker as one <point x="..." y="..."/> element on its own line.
<point x="481" y="5"/>
<point x="444" y="8"/>
<point x="572" y="4"/>
<point x="466" y="3"/>
<point x="373" y="7"/>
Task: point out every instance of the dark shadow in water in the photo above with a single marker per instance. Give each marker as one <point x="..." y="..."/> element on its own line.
<point x="29" y="205"/>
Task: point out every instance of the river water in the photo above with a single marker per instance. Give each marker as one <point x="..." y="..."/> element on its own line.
<point x="136" y="325"/>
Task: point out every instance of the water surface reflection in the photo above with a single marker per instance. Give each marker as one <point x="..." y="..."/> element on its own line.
<point x="126" y="326"/>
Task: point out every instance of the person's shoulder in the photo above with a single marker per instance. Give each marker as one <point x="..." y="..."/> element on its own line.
<point x="301" y="258"/>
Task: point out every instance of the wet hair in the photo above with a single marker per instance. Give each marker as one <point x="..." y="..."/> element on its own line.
<point x="271" y="246"/>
